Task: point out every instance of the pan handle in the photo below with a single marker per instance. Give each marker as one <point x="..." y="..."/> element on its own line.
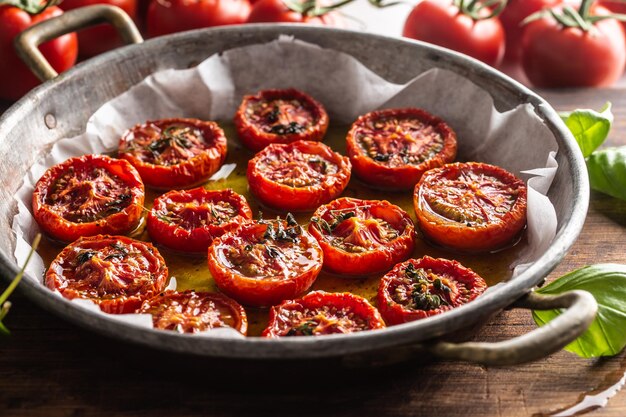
<point x="27" y="42"/>
<point x="581" y="309"/>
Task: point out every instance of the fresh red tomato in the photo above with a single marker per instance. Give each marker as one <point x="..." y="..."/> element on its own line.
<point x="170" y="16"/>
<point x="265" y="262"/>
<point x="279" y="116"/>
<point x="470" y="206"/>
<point x="512" y="17"/>
<point x="321" y="313"/>
<point x="96" y="40"/>
<point x="174" y="153"/>
<point x="15" y="77"/>
<point x="88" y="195"/>
<point x="442" y="23"/>
<point x="115" y="272"/>
<point x="194" y="312"/>
<point x="555" y="56"/>
<point x="278" y="11"/>
<point x="391" y="149"/>
<point x="298" y="176"/>
<point x="420" y="288"/>
<point x="362" y="237"/>
<point x="189" y="220"/>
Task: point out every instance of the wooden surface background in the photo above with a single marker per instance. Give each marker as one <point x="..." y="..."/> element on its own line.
<point x="51" y="368"/>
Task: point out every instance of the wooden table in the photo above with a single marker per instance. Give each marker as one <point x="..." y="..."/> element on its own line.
<point x="51" y="368"/>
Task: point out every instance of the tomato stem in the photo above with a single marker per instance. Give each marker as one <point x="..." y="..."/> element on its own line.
<point x="474" y="8"/>
<point x="29" y="6"/>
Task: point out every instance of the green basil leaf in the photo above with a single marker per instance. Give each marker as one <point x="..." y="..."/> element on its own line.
<point x="607" y="283"/>
<point x="607" y="171"/>
<point x="590" y="128"/>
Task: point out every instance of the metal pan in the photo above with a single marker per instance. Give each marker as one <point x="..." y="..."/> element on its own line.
<point x="61" y="106"/>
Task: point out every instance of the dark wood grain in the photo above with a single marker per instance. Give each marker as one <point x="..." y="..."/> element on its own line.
<point x="50" y="368"/>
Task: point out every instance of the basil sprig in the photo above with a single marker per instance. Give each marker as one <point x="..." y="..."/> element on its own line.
<point x="607" y="283"/>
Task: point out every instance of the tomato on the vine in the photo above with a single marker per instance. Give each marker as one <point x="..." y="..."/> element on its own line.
<point x="561" y="51"/>
<point x="420" y="288"/>
<point x="171" y="16"/>
<point x="189" y="220"/>
<point x="469" y="27"/>
<point x="15" y="77"/>
<point x="362" y="237"/>
<point x="321" y="313"/>
<point x="265" y="262"/>
<point x="297" y="176"/>
<point x="308" y="12"/>
<point x="470" y="206"/>
<point x="102" y="38"/>
<point x="194" y="312"/>
<point x="88" y="195"/>
<point x="116" y="272"/>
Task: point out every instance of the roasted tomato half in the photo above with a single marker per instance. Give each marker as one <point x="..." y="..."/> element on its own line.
<point x="362" y="237"/>
<point x="174" y="153"/>
<point x="265" y="262"/>
<point x="391" y="149"/>
<point x="115" y="272"/>
<point x="298" y="176"/>
<point x="88" y="195"/>
<point x="420" y="288"/>
<point x="194" y="312"/>
<point x="470" y="206"/>
<point x="279" y="116"/>
<point x="319" y="313"/>
<point x="189" y="220"/>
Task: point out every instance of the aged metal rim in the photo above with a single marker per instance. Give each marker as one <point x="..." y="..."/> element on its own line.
<point x="498" y="298"/>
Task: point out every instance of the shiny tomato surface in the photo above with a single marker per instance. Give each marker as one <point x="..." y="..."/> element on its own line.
<point x="298" y="176"/>
<point x="391" y="149"/>
<point x="420" y="288"/>
<point x="279" y="116"/>
<point x="189" y="220"/>
<point x="265" y="262"/>
<point x="102" y="38"/>
<point x="88" y="195"/>
<point x="470" y="206"/>
<point x="362" y="237"/>
<point x="554" y="56"/>
<point x="171" y="16"/>
<point x="277" y="11"/>
<point x="440" y="22"/>
<point x="15" y="77"/>
<point x="174" y="153"/>
<point x="194" y="312"/>
<point x="322" y="313"/>
<point x="116" y="272"/>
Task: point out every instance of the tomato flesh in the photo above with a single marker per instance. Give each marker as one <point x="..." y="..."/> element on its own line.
<point x="320" y="313"/>
<point x="470" y="206"/>
<point x="392" y="148"/>
<point x="194" y="312"/>
<point x="298" y="176"/>
<point x="421" y="288"/>
<point x="115" y="272"/>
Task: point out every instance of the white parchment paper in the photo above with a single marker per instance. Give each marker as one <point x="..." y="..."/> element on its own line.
<point x="516" y="140"/>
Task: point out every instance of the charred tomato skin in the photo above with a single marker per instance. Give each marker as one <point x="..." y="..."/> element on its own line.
<point x="97" y="268"/>
<point x="494" y="233"/>
<point x="278" y="194"/>
<point x="162" y="223"/>
<point x="379" y="174"/>
<point x="463" y="284"/>
<point x="318" y="303"/>
<point x="380" y="257"/>
<point x="194" y="312"/>
<point x="208" y="156"/>
<point x="254" y="137"/>
<point x="264" y="288"/>
<point x="121" y="221"/>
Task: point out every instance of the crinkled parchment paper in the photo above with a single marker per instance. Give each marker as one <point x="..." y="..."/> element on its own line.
<point x="517" y="140"/>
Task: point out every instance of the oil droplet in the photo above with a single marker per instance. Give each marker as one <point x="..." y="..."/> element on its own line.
<point x="592" y="402"/>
